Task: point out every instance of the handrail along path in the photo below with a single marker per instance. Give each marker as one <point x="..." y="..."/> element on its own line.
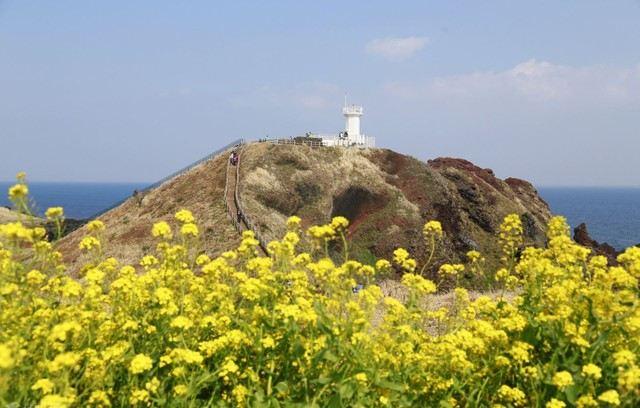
<point x="232" y="201"/>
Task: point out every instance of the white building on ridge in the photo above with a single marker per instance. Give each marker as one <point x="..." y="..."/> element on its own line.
<point x="351" y="136"/>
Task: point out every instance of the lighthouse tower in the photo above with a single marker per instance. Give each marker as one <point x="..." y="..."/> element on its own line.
<point x="352" y="115"/>
<point x="352" y="135"/>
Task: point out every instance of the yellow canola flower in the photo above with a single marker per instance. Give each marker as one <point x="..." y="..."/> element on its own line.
<point x="562" y="379"/>
<point x="140" y="363"/>
<point x="6" y="357"/>
<point x="558" y="227"/>
<point x="512" y="395"/>
<point x="95" y="226"/>
<point x="43" y="385"/>
<point x="56" y="401"/>
<point x="418" y="283"/>
<point x="586" y="401"/>
<point x="54" y="212"/>
<point x="202" y="259"/>
<point x="18" y="191"/>
<point x="510" y="235"/>
<point x="554" y="403"/>
<point x="162" y="230"/>
<point x="592" y="371"/>
<point x="624" y="357"/>
<point x="268" y="342"/>
<point x="449" y="270"/>
<point x="361" y="378"/>
<point x="180" y="389"/>
<point x="629" y="379"/>
<point x="35" y="277"/>
<point x="152" y="385"/>
<point x="383" y="265"/>
<point x="339" y="223"/>
<point x="239" y="393"/>
<point x="248" y="323"/>
<point x="401" y="257"/>
<point x="99" y="398"/>
<point x="189" y="230"/>
<point x="474" y="256"/>
<point x="148" y="260"/>
<point x="322" y="232"/>
<point x="182" y="322"/>
<point x="432" y="229"/>
<point x="293" y="223"/>
<point x="610" y="397"/>
<point x="185" y="217"/>
<point x="139" y="397"/>
<point x="89" y="243"/>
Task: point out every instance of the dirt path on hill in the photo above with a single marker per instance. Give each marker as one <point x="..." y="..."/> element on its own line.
<point x="230" y="198"/>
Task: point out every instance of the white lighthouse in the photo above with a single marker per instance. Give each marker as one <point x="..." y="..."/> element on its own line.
<point x="352" y="115"/>
<point x="352" y="135"/>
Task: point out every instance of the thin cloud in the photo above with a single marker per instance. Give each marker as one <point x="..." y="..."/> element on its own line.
<point x="396" y="49"/>
<point x="532" y="81"/>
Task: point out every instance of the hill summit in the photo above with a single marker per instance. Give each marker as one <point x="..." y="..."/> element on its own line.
<point x="387" y="197"/>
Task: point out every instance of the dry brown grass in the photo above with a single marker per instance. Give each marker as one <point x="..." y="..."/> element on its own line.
<point x="7" y="215"/>
<point x="128" y="234"/>
<point x="396" y="290"/>
<point x="433" y="302"/>
<point x="271" y="173"/>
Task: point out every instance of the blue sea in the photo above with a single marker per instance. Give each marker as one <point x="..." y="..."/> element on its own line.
<point x="612" y="214"/>
<point x="80" y="200"/>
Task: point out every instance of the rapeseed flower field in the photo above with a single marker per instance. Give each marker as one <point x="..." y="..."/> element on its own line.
<point x="302" y="329"/>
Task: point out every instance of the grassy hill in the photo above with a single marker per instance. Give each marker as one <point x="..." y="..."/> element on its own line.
<point x="128" y="234"/>
<point x="386" y="195"/>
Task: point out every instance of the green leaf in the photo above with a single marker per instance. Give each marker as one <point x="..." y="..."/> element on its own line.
<point x="389" y="385"/>
<point x="346" y="391"/>
<point x="322" y="380"/>
<point x="572" y="393"/>
<point x="328" y="355"/>
<point x="282" y="387"/>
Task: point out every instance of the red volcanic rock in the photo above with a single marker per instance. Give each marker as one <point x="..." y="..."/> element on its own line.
<point x="485" y="175"/>
<point x="582" y="237"/>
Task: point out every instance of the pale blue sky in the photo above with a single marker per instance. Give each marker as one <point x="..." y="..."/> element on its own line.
<point x="129" y="91"/>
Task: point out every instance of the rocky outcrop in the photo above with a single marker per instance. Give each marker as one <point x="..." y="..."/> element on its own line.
<point x="582" y="237"/>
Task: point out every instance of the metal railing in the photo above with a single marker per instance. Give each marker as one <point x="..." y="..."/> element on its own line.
<point x="310" y="143"/>
<point x="327" y="140"/>
<point x="234" y="217"/>
<point x="169" y="177"/>
<point x="352" y="110"/>
<point x="361" y="141"/>
<point x="249" y="225"/>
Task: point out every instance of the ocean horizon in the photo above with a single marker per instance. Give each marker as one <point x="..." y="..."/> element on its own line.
<point x="612" y="214"/>
<point x="80" y="200"/>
